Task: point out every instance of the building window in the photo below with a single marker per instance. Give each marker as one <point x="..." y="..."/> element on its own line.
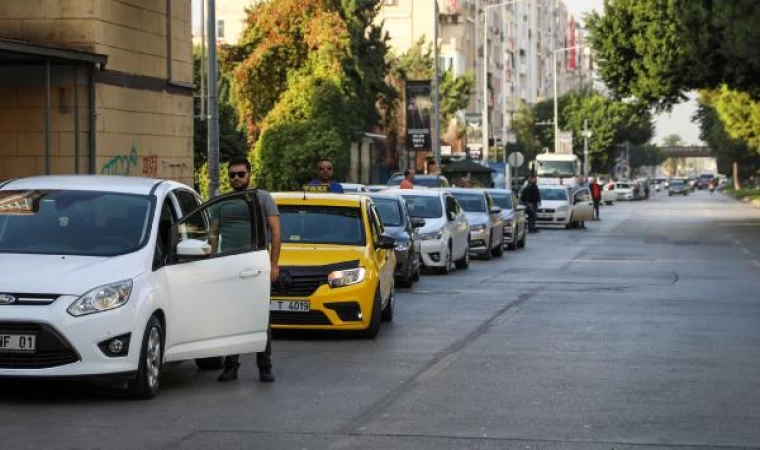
<point x="220" y="29"/>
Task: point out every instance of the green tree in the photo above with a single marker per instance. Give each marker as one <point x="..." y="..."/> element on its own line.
<point x="672" y="140"/>
<point x="646" y="155"/>
<point x="656" y="50"/>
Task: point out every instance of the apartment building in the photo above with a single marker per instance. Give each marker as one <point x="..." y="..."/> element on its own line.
<point x="230" y="20"/>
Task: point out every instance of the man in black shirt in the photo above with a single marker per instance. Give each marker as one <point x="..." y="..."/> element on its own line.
<point x="531" y="197"/>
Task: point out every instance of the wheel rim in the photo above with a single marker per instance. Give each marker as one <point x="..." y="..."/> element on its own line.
<point x="153" y="357"/>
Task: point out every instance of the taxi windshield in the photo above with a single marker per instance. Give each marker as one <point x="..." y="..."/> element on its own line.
<point x="69" y="222"/>
<point x="337" y="225"/>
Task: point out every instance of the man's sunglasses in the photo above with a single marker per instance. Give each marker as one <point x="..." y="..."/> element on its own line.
<point x="234" y="175"/>
<point x="325" y="169"/>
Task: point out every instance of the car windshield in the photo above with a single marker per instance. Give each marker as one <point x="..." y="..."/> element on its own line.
<point x="503" y="201"/>
<point x="553" y="194"/>
<point x="390" y="211"/>
<point x="424" y="206"/>
<point x="556" y="169"/>
<point x="623" y="186"/>
<point x="321" y="225"/>
<point x="674" y="182"/>
<point x="70" y="222"/>
<point x="471" y="202"/>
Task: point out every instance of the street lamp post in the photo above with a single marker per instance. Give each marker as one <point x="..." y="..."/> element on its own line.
<point x="436" y="138"/>
<point x="486" y="8"/>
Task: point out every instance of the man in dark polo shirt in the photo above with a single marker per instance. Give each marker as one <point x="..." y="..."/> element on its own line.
<point x="231" y="223"/>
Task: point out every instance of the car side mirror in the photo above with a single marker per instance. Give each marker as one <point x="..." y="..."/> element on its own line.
<point x="387" y="242"/>
<point x="193" y="248"/>
<point x="496" y="210"/>
<point x="417" y="222"/>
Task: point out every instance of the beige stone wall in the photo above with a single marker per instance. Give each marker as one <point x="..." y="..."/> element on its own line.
<point x="144" y="133"/>
<point x="139" y="131"/>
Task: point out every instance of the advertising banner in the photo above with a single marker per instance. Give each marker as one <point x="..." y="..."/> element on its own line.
<point x="474" y="130"/>
<point x="419" y="113"/>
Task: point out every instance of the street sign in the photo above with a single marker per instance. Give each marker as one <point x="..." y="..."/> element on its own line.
<point x="565" y="143"/>
<point x="516" y="159"/>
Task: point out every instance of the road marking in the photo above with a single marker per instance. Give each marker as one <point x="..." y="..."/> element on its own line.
<point x="756" y="263"/>
<point x="746" y="252"/>
<point x="736" y="241"/>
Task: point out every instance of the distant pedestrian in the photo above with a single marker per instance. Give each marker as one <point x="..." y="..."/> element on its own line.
<point x="325" y="172"/>
<point x="407" y="182"/>
<point x="531" y="197"/>
<point x="596" y="196"/>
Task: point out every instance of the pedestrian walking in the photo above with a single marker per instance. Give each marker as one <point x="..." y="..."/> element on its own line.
<point x="235" y="233"/>
<point x="596" y="196"/>
<point x="531" y="197"/>
<point x="407" y="183"/>
<point x="325" y="172"/>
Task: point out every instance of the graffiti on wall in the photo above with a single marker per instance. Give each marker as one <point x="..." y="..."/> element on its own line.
<point x="150" y="166"/>
<point x="173" y="170"/>
<point x="120" y="164"/>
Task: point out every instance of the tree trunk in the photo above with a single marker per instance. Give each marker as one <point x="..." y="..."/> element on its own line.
<point x="737" y="181"/>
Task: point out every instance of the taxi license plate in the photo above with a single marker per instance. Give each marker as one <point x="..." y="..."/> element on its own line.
<point x="17" y="343"/>
<point x="289" y="305"/>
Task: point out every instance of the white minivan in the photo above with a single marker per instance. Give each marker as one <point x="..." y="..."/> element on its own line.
<point x="445" y="238"/>
<point x="111" y="277"/>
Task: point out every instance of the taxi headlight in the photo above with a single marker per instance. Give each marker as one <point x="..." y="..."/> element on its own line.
<point x="434" y="235"/>
<point x="103" y="298"/>
<point x="341" y="278"/>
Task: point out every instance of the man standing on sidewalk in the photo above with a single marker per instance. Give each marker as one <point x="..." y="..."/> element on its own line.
<point x="234" y="232"/>
<point x="596" y="196"/>
<point x="531" y="197"/>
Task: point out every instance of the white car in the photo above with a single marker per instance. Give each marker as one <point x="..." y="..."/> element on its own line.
<point x="564" y="206"/>
<point x="349" y="188"/>
<point x="111" y="277"/>
<point x="624" y="190"/>
<point x="608" y="193"/>
<point x="445" y="238"/>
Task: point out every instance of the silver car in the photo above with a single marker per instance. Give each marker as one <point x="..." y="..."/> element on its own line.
<point x="513" y="214"/>
<point x="486" y="222"/>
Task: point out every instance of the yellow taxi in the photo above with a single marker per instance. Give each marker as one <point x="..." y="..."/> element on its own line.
<point x="336" y="265"/>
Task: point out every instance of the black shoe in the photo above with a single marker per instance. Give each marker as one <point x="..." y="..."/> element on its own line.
<point x="266" y="376"/>
<point x="230" y="373"/>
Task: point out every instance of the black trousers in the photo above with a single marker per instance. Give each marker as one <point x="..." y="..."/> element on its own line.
<point x="532" y="214"/>
<point x="263" y="359"/>
<point x="596" y="209"/>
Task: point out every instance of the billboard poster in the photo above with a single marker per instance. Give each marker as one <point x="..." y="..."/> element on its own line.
<point x="419" y="113"/>
<point x="565" y="143"/>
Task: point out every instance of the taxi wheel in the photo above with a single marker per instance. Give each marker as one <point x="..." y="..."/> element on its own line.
<point x="390" y="307"/>
<point x="374" y="321"/>
<point x="145" y="385"/>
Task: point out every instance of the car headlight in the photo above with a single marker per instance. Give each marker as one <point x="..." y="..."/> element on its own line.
<point x="341" y="278"/>
<point x="402" y="246"/>
<point x="481" y="228"/>
<point x="562" y="209"/>
<point x="103" y="298"/>
<point x="437" y="234"/>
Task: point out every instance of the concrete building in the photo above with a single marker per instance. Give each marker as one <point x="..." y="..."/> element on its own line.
<point x="230" y="20"/>
<point x="96" y="86"/>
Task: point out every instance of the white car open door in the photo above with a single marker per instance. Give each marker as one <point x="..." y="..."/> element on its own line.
<point x="218" y="280"/>
<point x="583" y="206"/>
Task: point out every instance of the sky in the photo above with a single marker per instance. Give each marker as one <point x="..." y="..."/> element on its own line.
<point x="678" y="121"/>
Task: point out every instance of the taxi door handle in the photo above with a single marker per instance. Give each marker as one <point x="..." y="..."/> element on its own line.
<point x="250" y="273"/>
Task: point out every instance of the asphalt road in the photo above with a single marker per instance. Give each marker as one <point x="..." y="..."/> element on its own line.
<point x="641" y="332"/>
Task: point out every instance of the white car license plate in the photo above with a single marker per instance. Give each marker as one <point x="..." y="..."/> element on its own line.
<point x="17" y="343"/>
<point x="289" y="305"/>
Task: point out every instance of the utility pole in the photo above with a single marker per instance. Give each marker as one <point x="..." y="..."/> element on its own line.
<point x="213" y="102"/>
<point x="485" y="84"/>
<point x="436" y="137"/>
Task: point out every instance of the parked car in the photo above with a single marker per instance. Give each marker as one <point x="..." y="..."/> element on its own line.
<point x="100" y="278"/>
<point x="564" y="206"/>
<point x="403" y="228"/>
<point x="608" y="193"/>
<point x="623" y="190"/>
<point x="428" y="181"/>
<point x="337" y="265"/>
<point x="349" y="188"/>
<point x="485" y="219"/>
<point x="679" y="186"/>
<point x="377" y="187"/>
<point x="445" y="238"/>
<point x="513" y="215"/>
